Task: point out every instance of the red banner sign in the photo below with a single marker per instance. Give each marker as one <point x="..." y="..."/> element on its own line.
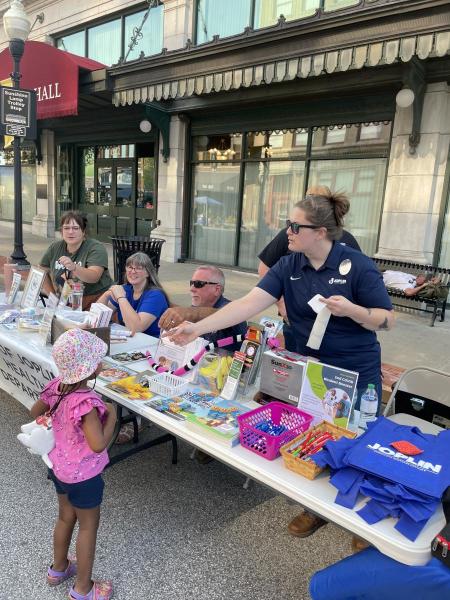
<point x="53" y="73"/>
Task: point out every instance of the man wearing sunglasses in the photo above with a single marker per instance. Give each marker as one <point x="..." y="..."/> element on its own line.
<point x="279" y="247"/>
<point x="206" y="287"/>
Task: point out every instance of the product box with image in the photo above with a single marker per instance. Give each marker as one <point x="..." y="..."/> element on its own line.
<point x="282" y="374"/>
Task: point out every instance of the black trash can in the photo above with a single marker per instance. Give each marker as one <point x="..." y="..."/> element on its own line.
<point x="125" y="246"/>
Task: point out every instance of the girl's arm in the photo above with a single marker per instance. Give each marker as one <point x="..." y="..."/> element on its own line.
<point x="38" y="408"/>
<point x="234" y="312"/>
<point x="98" y="436"/>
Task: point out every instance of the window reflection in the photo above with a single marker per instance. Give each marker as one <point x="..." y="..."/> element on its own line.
<point x="214" y="212"/>
<point x="270" y="190"/>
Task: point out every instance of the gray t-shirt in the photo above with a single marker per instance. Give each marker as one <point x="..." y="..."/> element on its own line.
<point x="91" y="253"/>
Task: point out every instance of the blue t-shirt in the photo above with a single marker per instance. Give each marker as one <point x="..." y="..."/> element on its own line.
<point x="239" y="328"/>
<point x="346" y="344"/>
<point x="151" y="301"/>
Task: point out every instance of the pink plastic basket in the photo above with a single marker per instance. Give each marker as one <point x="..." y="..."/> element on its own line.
<point x="267" y="445"/>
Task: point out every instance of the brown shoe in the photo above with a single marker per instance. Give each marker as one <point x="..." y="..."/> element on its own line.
<point x="358" y="544"/>
<point x="305" y="524"/>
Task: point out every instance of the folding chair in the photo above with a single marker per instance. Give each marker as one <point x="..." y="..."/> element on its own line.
<point x="422" y="393"/>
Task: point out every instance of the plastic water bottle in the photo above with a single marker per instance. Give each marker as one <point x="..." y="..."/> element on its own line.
<point x="369" y="406"/>
<point x="76" y="297"/>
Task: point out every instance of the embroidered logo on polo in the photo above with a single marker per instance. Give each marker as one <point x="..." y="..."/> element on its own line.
<point x="421" y="465"/>
<point x="337" y="280"/>
<point x="295" y="278"/>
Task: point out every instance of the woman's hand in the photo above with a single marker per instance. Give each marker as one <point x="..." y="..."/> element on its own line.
<point x="183" y="334"/>
<point x="117" y="291"/>
<point x="339" y="306"/>
<point x="67" y="263"/>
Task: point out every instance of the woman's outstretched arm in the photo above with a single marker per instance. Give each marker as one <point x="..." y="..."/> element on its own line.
<point x="234" y="312"/>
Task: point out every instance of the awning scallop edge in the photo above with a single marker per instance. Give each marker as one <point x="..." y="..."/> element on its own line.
<point x="433" y="45"/>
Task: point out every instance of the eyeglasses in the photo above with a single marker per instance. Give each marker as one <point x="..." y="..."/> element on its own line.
<point x="295" y="227"/>
<point x="198" y="283"/>
<point x="137" y="269"/>
<point x="71" y="227"/>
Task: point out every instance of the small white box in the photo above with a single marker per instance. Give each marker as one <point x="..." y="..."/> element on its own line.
<point x="282" y="374"/>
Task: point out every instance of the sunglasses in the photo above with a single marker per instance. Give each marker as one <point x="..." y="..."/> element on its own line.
<point x="295" y="227"/>
<point x="198" y="283"/>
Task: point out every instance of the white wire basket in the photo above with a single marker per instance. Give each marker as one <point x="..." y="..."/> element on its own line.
<point x="167" y="384"/>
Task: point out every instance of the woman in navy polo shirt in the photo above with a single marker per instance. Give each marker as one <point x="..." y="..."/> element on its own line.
<point x="351" y="286"/>
<point x="141" y="301"/>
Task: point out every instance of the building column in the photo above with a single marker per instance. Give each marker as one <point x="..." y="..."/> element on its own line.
<point x="171" y="179"/>
<point x="177" y="23"/>
<point x="414" y="187"/>
<point x="44" y="222"/>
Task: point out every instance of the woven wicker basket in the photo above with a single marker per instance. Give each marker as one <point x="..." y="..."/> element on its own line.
<point x="308" y="468"/>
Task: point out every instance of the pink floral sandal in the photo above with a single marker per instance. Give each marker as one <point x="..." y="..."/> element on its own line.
<point x="57" y="577"/>
<point x="101" y="590"/>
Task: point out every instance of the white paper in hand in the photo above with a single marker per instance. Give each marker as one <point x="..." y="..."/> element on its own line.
<point x="320" y="324"/>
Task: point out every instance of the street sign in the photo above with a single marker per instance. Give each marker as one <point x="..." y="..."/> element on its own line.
<point x="18" y="112"/>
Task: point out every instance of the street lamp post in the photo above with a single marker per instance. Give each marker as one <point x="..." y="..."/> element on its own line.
<point x="17" y="27"/>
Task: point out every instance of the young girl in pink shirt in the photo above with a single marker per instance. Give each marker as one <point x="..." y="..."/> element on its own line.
<point x="83" y="426"/>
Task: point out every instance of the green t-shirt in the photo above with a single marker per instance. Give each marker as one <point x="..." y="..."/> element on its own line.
<point x="91" y="253"/>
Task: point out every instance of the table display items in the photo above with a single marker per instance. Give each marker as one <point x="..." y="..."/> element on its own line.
<point x="440" y="544"/>
<point x="297" y="454"/>
<point x="213" y="371"/>
<point x="14" y="289"/>
<point x="112" y="371"/>
<point x="131" y="356"/>
<point x="165" y="384"/>
<point x="265" y="429"/>
<point x="179" y="407"/>
<point x="134" y="387"/>
<point x="328" y="393"/>
<point x="30" y="295"/>
<point x="99" y="315"/>
<point x="218" y="421"/>
<point x="76" y="296"/>
<point x="282" y="374"/>
<point x="369" y="406"/>
<point x="402" y="471"/>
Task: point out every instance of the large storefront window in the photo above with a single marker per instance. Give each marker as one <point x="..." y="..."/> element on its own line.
<point x="64" y="181"/>
<point x="117" y="189"/>
<point x="214" y="212"/>
<point x="28" y="158"/>
<point x="245" y="185"/>
<point x="108" y="41"/>
<point x="230" y="17"/>
<point x="444" y="255"/>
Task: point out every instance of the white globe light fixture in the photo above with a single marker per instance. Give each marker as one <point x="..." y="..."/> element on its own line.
<point x="15" y="22"/>
<point x="145" y="126"/>
<point x="404" y="98"/>
<point x="17" y="27"/>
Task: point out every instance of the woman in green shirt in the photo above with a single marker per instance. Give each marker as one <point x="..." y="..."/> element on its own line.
<point x="78" y="258"/>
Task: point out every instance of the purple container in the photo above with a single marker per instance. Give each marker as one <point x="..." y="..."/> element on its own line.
<point x="268" y="446"/>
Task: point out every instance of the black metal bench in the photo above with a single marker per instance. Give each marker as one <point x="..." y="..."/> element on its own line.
<point x="435" y="306"/>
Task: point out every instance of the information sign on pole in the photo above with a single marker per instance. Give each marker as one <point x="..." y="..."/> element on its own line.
<point x="18" y="112"/>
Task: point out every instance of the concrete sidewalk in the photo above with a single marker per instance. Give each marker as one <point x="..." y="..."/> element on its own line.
<point x="411" y="343"/>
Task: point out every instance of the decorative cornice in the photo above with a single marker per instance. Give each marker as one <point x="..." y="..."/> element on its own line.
<point x="386" y="52"/>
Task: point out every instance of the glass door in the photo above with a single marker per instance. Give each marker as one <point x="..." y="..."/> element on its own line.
<point x="115" y="197"/>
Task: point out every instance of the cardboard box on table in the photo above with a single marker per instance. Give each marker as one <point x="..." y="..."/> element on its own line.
<point x="60" y="326"/>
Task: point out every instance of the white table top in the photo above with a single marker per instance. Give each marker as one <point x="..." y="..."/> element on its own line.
<point x="317" y="495"/>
